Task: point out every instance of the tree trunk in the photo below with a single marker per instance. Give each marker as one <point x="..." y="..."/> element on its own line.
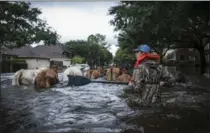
<point x="202" y="60"/>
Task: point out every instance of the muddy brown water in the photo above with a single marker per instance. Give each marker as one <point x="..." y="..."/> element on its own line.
<point x="101" y="108"/>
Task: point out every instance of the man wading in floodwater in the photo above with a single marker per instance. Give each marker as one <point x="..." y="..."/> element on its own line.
<point x="147" y="75"/>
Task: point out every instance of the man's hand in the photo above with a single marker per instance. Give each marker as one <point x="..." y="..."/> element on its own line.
<point x="131" y="83"/>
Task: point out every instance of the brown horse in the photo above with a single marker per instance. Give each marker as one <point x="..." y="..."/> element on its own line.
<point x="125" y="76"/>
<point x="94" y="74"/>
<point x="46" y="78"/>
<point x="89" y="73"/>
<point x="113" y="72"/>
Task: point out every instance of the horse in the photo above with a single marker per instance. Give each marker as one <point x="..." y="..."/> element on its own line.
<point x="74" y="70"/>
<point x="94" y="74"/>
<point x="113" y="72"/>
<point x="85" y="68"/>
<point x="46" y="78"/>
<point x="89" y="74"/>
<point x="25" y="77"/>
<point x="125" y="76"/>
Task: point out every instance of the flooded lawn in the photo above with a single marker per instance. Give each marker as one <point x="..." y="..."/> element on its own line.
<point x="102" y="108"/>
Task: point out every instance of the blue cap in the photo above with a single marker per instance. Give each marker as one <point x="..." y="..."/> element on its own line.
<point x="143" y="48"/>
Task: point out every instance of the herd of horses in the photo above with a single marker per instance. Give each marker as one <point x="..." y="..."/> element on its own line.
<point x="112" y="73"/>
<point x="48" y="77"/>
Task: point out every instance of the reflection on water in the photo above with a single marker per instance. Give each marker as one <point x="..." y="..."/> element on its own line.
<point x="99" y="108"/>
<point x="93" y="108"/>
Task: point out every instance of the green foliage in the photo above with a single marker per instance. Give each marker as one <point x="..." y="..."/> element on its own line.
<point x="20" y="25"/>
<point x="94" y="50"/>
<point x="162" y="25"/>
<point x="78" y="59"/>
<point x="77" y="47"/>
<point x="18" y="60"/>
<point x="98" y="39"/>
<point x="143" y="22"/>
<point x="122" y="56"/>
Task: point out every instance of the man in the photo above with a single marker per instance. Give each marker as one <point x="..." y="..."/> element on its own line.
<point x="147" y="74"/>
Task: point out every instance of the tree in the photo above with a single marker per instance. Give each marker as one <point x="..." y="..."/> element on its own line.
<point x="78" y="47"/>
<point x="122" y="56"/>
<point x="162" y="25"/>
<point x="20" y="25"/>
<point x="78" y="59"/>
<point x="94" y="50"/>
<point x="98" y="39"/>
<point x="197" y="32"/>
<point x="138" y="23"/>
<point x="98" y="47"/>
<point x="105" y="56"/>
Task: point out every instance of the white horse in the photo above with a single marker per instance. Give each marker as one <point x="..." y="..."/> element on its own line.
<point x="75" y="70"/>
<point x="25" y="77"/>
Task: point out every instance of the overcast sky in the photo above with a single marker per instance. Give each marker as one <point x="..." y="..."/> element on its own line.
<point x="77" y="20"/>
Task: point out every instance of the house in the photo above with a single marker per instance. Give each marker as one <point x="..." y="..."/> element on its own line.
<point x="54" y="53"/>
<point x="187" y="55"/>
<point x="181" y="55"/>
<point x="7" y="61"/>
<point x="5" y="55"/>
<point x="33" y="59"/>
<point x="42" y="55"/>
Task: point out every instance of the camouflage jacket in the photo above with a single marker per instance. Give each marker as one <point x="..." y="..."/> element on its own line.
<point x="147" y="77"/>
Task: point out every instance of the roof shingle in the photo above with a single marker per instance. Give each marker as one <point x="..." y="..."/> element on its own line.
<point x="40" y="51"/>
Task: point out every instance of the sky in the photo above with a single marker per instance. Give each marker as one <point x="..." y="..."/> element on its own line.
<point x="78" y="20"/>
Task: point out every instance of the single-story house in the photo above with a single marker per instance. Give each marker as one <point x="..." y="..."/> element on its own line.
<point x="55" y="53"/>
<point x="33" y="59"/>
<point x="6" y="58"/>
<point x="42" y="55"/>
<point x="6" y="55"/>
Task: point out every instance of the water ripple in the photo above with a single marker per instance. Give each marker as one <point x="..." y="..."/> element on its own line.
<point x="92" y="108"/>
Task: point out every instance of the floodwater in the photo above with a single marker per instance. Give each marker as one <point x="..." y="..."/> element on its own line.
<point x="90" y="108"/>
<point x="101" y="108"/>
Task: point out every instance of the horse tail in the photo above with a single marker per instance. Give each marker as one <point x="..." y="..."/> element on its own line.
<point x="17" y="78"/>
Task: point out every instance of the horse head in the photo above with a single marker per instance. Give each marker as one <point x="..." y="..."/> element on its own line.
<point x="46" y="78"/>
